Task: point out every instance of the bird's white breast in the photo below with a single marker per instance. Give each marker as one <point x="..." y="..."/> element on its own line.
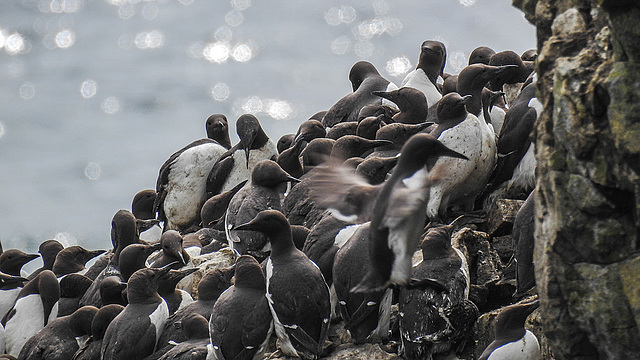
<point x="159" y="317"/>
<point x="7" y="299"/>
<point x="417" y="79"/>
<point x="240" y="172"/>
<point x="526" y="348"/>
<point x="187" y="183"/>
<point x="26" y="322"/>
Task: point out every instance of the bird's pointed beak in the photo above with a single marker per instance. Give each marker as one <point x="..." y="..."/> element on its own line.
<point x="389" y="95"/>
<point x="298" y="139"/>
<point x="503" y="68"/>
<point x="245" y="226"/>
<point x="451" y="153"/>
<point x="165" y="269"/>
<point x="380" y="142"/>
<point x="465" y="99"/>
<point x="95" y="253"/>
<point x="246" y="153"/>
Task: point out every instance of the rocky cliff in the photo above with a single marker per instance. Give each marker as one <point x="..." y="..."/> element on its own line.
<point x="588" y="152"/>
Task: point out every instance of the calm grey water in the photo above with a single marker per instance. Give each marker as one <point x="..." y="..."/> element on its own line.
<point x="96" y="94"/>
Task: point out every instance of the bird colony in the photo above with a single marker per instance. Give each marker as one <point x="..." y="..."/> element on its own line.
<point x="389" y="225"/>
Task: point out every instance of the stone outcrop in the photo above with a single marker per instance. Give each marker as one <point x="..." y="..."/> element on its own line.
<point x="588" y="152"/>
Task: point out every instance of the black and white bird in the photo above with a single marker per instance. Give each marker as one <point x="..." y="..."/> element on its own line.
<point x="241" y="321"/>
<point x="264" y="191"/>
<point x="430" y="319"/>
<point x="433" y="55"/>
<point x="182" y="183"/>
<point x="297" y="294"/>
<point x="134" y="333"/>
<point x="514" y="175"/>
<point x="461" y="181"/>
<point x="35" y="307"/>
<point x="511" y="339"/>
<point x="59" y="339"/>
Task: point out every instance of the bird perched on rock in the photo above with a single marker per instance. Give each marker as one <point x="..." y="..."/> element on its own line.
<point x="461" y="181"/>
<point x="364" y="78"/>
<point x="241" y="322"/>
<point x="297" y="294"/>
<point x="182" y="183"/>
<point x="235" y="166"/>
<point x="263" y="192"/>
<point x="426" y="328"/>
<point x="134" y="333"/>
<point x="523" y="242"/>
<point x="367" y="315"/>
<point x="58" y="340"/>
<point x="35" y="307"/>
<point x="511" y="340"/>
<point x="514" y="173"/>
<point x="433" y="55"/>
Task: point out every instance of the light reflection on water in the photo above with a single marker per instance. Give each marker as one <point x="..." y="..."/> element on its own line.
<point x="97" y="94"/>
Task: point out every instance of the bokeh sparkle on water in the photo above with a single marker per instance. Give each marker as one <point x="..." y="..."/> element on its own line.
<point x="95" y="95"/>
